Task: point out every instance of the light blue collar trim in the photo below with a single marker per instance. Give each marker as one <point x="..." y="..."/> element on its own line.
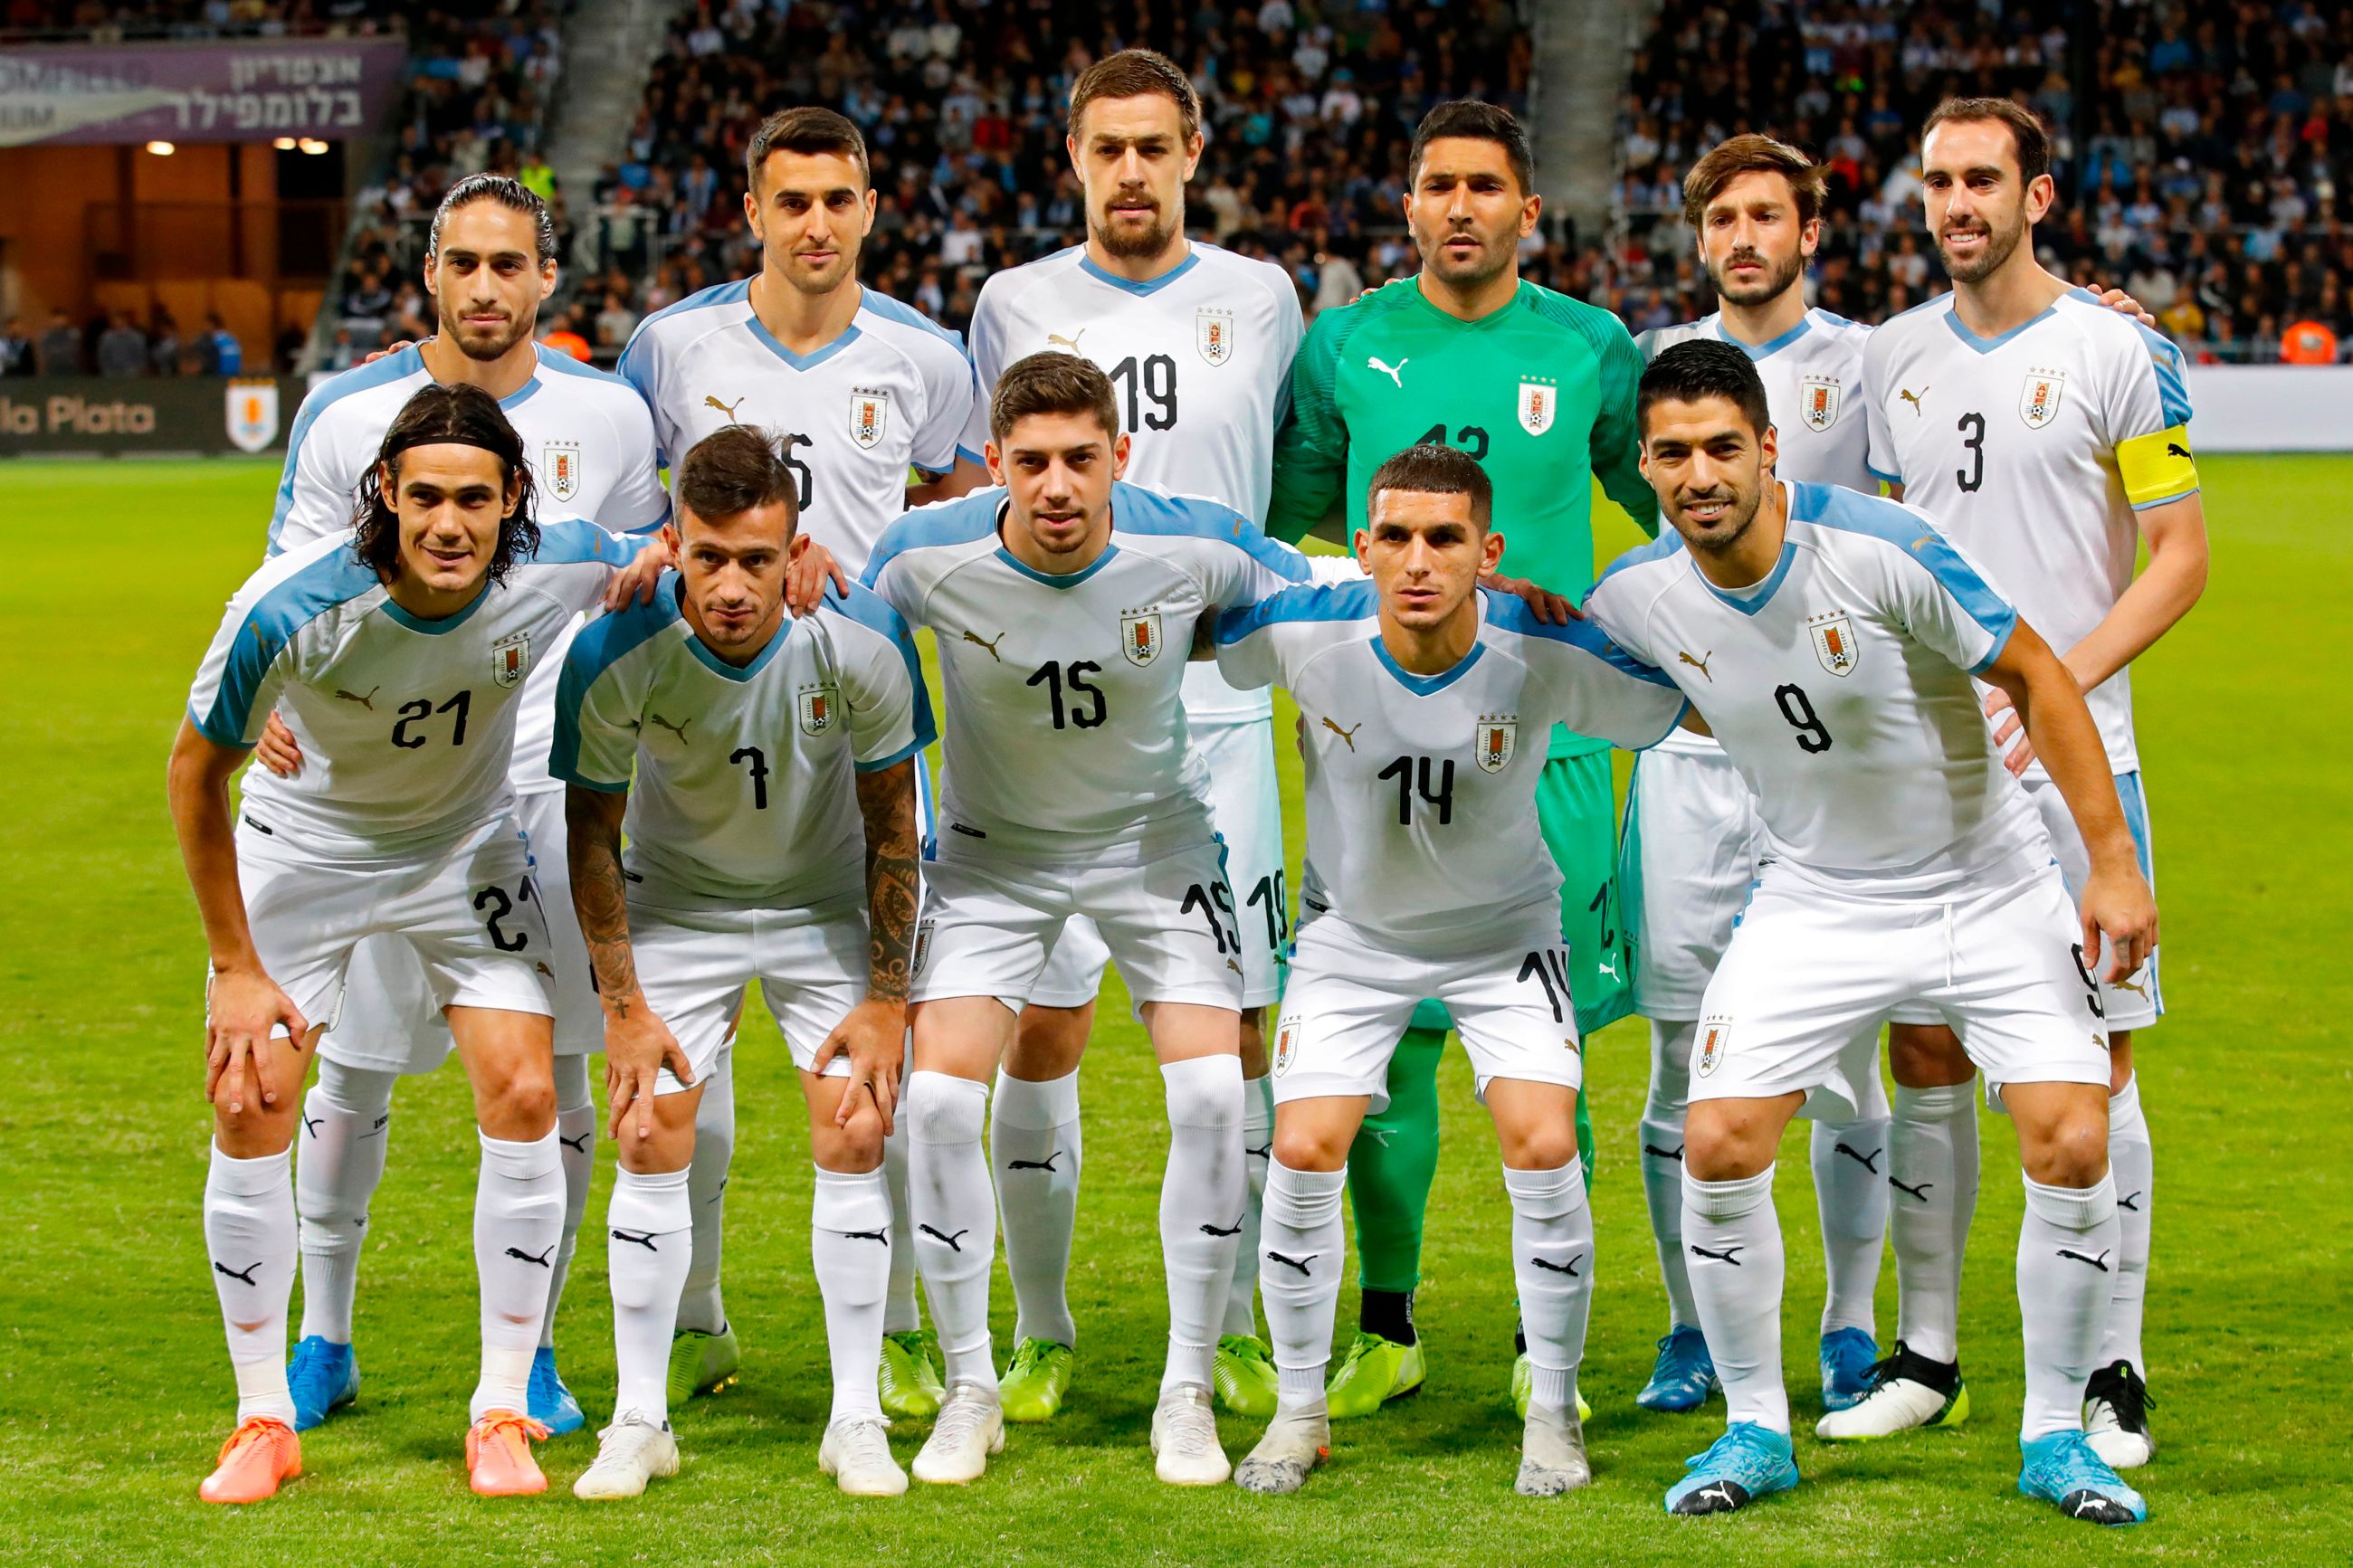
<point x="520" y="395"/>
<point x="434" y="628"/>
<point x="775" y="346"/>
<point x="1051" y="580"/>
<point x="1425" y="685"/>
<point x="739" y="673"/>
<point x="1987" y="345"/>
<point x="1761" y="594"/>
<point x="1765" y="350"/>
<point x="1150" y="285"/>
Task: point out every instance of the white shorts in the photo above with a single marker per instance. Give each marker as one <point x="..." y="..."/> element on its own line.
<point x="987" y="923"/>
<point x="2139" y="1000"/>
<point x="1809" y="972"/>
<point x="1348" y="1000"/>
<point x="391" y="1022"/>
<point x="1247" y="809"/>
<point x="468" y="917"/>
<point x="694" y="966"/>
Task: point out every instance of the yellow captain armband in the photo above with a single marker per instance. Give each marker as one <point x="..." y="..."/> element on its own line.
<point x="2156" y="468"/>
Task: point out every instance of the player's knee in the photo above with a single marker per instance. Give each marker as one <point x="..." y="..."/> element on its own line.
<point x="1928" y="1056"/>
<point x="1723" y="1143"/>
<point x="258" y="1130"/>
<point x="1049" y="1042"/>
<point x="853" y="1148"/>
<point x="1545" y="1145"/>
<point x="2072" y="1152"/>
<point x="1304" y="1148"/>
<point x="517" y="1105"/>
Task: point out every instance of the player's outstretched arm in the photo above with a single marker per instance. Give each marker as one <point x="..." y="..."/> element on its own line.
<point x="2117" y="901"/>
<point x="636" y="1043"/>
<point x="874" y="1034"/>
<point x="243" y="1004"/>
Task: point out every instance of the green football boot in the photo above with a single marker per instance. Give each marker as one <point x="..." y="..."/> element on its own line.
<point x="1374" y="1371"/>
<point x="909" y="1377"/>
<point x="1524" y="1383"/>
<point x="1036" y="1381"/>
<point x="701" y="1363"/>
<point x="1244" y="1376"/>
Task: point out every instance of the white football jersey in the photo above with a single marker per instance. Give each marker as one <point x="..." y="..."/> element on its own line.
<point x="1200" y="360"/>
<point x="406" y="726"/>
<point x="1840" y="687"/>
<point x="892" y="393"/>
<point x="1813" y="389"/>
<point x="1421" y="810"/>
<point x="2032" y="450"/>
<point x="585" y="433"/>
<point x="745" y="794"/>
<point x="1066" y="735"/>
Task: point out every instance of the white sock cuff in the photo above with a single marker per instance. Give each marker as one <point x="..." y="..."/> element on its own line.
<point x="355" y="1091"/>
<point x="1303" y="1199"/>
<point x="526" y="1161"/>
<point x="1039" y="1107"/>
<point x="1258" y="1106"/>
<point x="850" y="1201"/>
<point x="651" y="1201"/>
<point x="2073" y="1208"/>
<point x="1547" y="1195"/>
<point x="941" y="1108"/>
<point x="572" y="1084"/>
<point x="1205" y="1091"/>
<point x="2124" y="1109"/>
<point x="1946" y="1102"/>
<point x="250" y="1178"/>
<point x="1728" y="1200"/>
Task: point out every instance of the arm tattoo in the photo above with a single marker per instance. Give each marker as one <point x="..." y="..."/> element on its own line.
<point x="887" y="800"/>
<point x="592" y="820"/>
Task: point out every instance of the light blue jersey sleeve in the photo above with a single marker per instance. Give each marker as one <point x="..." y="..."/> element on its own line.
<point x="600" y="694"/>
<point x="882" y="680"/>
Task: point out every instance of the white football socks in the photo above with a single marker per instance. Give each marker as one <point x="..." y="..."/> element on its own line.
<point x="1204" y="1201"/>
<point x="2067" y="1247"/>
<point x="1732" y="1237"/>
<point x="575" y="1138"/>
<point x="1551" y="1263"/>
<point x="1932" y="1196"/>
<point x="346" y="1122"/>
<point x="649" y="1242"/>
<point x="1033" y="1145"/>
<point x="1258" y="1153"/>
<point x="1662" y="1160"/>
<point x="250" y="1238"/>
<point x="2133" y="1165"/>
<point x="700" y="1309"/>
<point x="1850" y="1190"/>
<point x="518" y="1225"/>
<point x="900" y="1315"/>
<point x="1300" y="1266"/>
<point x="849" y="1246"/>
<point x="955" y="1218"/>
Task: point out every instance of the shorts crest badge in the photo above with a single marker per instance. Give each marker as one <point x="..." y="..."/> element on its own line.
<point x="1494" y="741"/>
<point x="2038" y="399"/>
<point x="1540" y="401"/>
<point x="869" y="416"/>
<point x="1818" y="401"/>
<point x="1213" y="334"/>
<point x="1286" y="1044"/>
<point x="818" y="706"/>
<point x="1139" y="636"/>
<point x="510" y="659"/>
<point x="1714" y="1040"/>
<point x="923" y="947"/>
<point x="559" y="468"/>
<point x="1834" y="643"/>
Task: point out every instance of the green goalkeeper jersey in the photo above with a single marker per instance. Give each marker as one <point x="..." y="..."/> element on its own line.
<point x="1540" y="392"/>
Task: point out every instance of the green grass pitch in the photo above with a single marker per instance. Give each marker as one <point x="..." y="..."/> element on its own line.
<point x="115" y="1390"/>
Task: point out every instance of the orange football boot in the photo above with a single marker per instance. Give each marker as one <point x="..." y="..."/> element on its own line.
<point x="498" y="1453"/>
<point x="261" y="1452"/>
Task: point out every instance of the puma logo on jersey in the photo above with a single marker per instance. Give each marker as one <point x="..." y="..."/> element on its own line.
<point x="727" y="408"/>
<point x="1699" y="663"/>
<point x="974" y="638"/>
<point x="1347" y="735"/>
<point x="657" y="722"/>
<point x="1913" y="398"/>
<point x="2175" y="449"/>
<point x="1071" y="343"/>
<point x="541" y="967"/>
<point x="367" y="702"/>
<point x="1925" y="541"/>
<point x="1396" y="373"/>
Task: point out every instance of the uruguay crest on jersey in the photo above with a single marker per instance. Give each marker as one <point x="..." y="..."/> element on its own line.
<point x="1818" y="401"/>
<point x="1139" y="636"/>
<point x="1213" y="334"/>
<point x="869" y="412"/>
<point x="559" y="468"/>
<point x="1494" y="741"/>
<point x="2038" y="399"/>
<point x="510" y="659"/>
<point x="1833" y="643"/>
<point x="1539" y="400"/>
<point x="818" y="706"/>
